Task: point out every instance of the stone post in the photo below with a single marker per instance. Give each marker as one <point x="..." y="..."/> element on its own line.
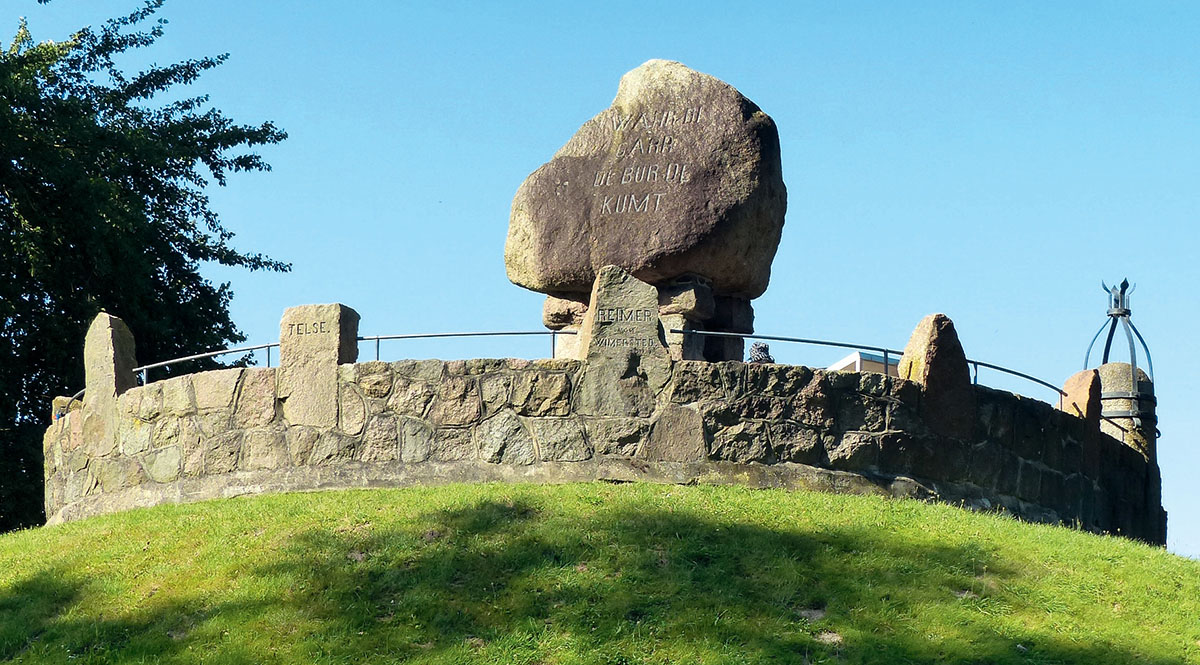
<point x="313" y="341"/>
<point x="934" y="358"/>
<point x="108" y="362"/>
<point x="1122" y="411"/>
<point x="626" y="361"/>
<point x="685" y="304"/>
<point x="1082" y="398"/>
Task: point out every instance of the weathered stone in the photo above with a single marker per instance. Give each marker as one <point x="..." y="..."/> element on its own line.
<point x="1137" y="432"/>
<point x="216" y="389"/>
<point x="381" y="442"/>
<point x="352" y="410"/>
<point x="502" y="438"/>
<point x="741" y="441"/>
<point x="214" y="422"/>
<point x="627" y="361"/>
<point x="1082" y="398"/>
<point x="732" y="314"/>
<point x="479" y="366"/>
<point x="221" y="453"/>
<point x="777" y="380"/>
<point x="108" y="362"/>
<point x="313" y="341"/>
<point x="677" y="436"/>
<point x="163" y="466"/>
<point x="117" y="473"/>
<point x="331" y="446"/>
<point x="374" y="378"/>
<point x="451" y="444"/>
<point x="429" y="371"/>
<point x="179" y="396"/>
<point x="79" y="485"/>
<point x="682" y="345"/>
<point x="148" y="403"/>
<point x="934" y="358"/>
<point x="856" y="451"/>
<point x="416" y="440"/>
<point x="558" y="313"/>
<point x="559" y="439"/>
<point x="182" y="432"/>
<point x="135" y="436"/>
<point x="256" y="398"/>
<point x="411" y="397"/>
<point x="689" y="296"/>
<point x="793" y="442"/>
<point x="566" y="345"/>
<point x="695" y="381"/>
<point x="99" y="432"/>
<point x="495" y="391"/>
<point x="620" y="436"/>
<point x="541" y="394"/>
<point x="860" y="413"/>
<point x="456" y="402"/>
<point x="300" y="441"/>
<point x="680" y="175"/>
<point x="264" y="448"/>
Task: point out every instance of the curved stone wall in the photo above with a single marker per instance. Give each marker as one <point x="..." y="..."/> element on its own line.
<point x="227" y="433"/>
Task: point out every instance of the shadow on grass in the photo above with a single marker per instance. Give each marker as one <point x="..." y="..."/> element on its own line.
<point x="512" y="582"/>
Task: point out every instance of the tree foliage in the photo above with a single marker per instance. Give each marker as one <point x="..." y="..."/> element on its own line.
<point x="103" y="207"/>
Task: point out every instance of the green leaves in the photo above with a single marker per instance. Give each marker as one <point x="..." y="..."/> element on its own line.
<point x="103" y="206"/>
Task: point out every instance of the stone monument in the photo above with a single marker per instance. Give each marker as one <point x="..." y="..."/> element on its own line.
<point x="678" y="183"/>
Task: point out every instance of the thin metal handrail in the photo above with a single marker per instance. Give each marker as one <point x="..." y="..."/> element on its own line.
<point x="504" y="333"/>
<point x="144" y="369"/>
<point x="884" y="350"/>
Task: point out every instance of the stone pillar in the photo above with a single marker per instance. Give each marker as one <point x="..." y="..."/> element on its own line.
<point x="685" y="304"/>
<point x="1129" y="409"/>
<point x="108" y="362"/>
<point x="626" y="360"/>
<point x="934" y="358"/>
<point x="1082" y="398"/>
<point x="313" y="341"/>
<point x="734" y="315"/>
<point x="565" y="314"/>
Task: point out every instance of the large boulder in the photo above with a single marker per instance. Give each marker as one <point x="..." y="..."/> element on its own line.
<point x="679" y="176"/>
<point x="934" y="358"/>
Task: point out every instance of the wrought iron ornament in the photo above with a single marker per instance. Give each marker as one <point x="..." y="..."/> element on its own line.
<point x="1118" y="314"/>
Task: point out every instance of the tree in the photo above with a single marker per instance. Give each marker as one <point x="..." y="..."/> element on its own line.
<point x="103" y="207"/>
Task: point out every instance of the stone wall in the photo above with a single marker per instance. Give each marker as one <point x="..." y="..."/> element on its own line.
<point x="226" y="433"/>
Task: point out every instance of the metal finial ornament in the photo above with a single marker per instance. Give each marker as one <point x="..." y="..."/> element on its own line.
<point x="1118" y="313"/>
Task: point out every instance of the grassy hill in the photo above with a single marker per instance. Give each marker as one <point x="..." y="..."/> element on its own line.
<point x="601" y="573"/>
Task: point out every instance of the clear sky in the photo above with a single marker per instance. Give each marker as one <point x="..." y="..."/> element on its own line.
<point x="993" y="161"/>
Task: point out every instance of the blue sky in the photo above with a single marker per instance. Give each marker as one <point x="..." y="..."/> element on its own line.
<point x="993" y="161"/>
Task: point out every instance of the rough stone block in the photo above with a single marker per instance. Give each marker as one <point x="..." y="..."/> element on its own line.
<point x="934" y="358"/>
<point x="777" y="380"/>
<point x="216" y="389"/>
<point x="695" y="381"/>
<point x="179" y="396"/>
<point x="689" y="297"/>
<point x="313" y="341"/>
<point x="135" y="436"/>
<point x="300" y="441"/>
<point x="677" y="436"/>
<point x="411" y="397"/>
<point x="381" y="442"/>
<point x="352" y="410"/>
<point x="331" y="447"/>
<point x="742" y="441"/>
<point x="559" y="439"/>
<point x="456" y="402"/>
<point x="264" y="448"/>
<point x="794" y="442"/>
<point x="542" y="393"/>
<point x="502" y="439"/>
<point x="1082" y="398"/>
<point x="855" y="451"/>
<point x="451" y="444"/>
<point x="256" y="398"/>
<point x="1029" y="482"/>
<point x="620" y="437"/>
<point x="163" y="466"/>
<point x="221" y="453"/>
<point x="559" y="313"/>
<point x="428" y="371"/>
<point x="495" y="391"/>
<point x="416" y="440"/>
<point x="117" y="473"/>
<point x="860" y="414"/>
<point x="374" y="378"/>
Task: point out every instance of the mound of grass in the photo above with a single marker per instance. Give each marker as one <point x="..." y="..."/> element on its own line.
<point x="612" y="574"/>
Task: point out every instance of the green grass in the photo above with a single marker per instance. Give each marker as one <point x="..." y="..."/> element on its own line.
<point x="600" y="573"/>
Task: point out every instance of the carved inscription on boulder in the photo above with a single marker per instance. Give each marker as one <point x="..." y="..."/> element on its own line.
<point x="680" y="175"/>
<point x="313" y="341"/>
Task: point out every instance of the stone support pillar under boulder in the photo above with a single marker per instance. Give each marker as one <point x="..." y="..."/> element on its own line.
<point x="1082" y="397"/>
<point x="934" y="358"/>
<point x="679" y="183"/>
<point x="313" y="341"/>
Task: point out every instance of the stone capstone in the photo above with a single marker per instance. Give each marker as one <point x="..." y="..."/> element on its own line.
<point x="934" y="358"/>
<point x="680" y="175"/>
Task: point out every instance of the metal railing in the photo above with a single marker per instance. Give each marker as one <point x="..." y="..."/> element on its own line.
<point x="144" y="370"/>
